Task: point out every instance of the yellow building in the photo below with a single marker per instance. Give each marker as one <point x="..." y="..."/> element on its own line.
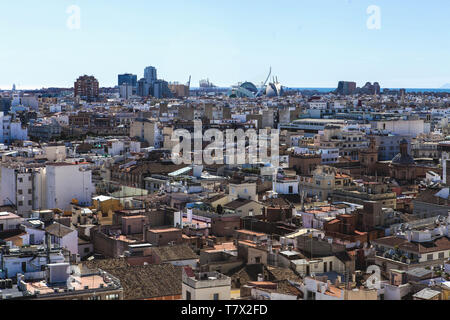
<point x="105" y="207"/>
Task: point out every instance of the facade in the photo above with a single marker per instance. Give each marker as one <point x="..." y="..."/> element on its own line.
<point x="346" y="88"/>
<point x="87" y="87"/>
<point x="419" y="249"/>
<point x="205" y="286"/>
<point x="389" y="145"/>
<point x="125" y="91"/>
<point x="323" y="181"/>
<point x="45" y="131"/>
<point x="9" y="221"/>
<point x="150" y="74"/>
<point x="128" y="79"/>
<point x="145" y="130"/>
<point x="411" y="128"/>
<point x="24" y="188"/>
<point x="179" y="90"/>
<point x="444" y="148"/>
<point x="66" y="183"/>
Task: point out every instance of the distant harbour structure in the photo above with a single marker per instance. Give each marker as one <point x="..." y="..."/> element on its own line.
<point x="274" y="89"/>
<point x="206" y="84"/>
<point x="249" y="90"/>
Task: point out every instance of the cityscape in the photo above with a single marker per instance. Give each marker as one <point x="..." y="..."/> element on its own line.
<point x="162" y="190"/>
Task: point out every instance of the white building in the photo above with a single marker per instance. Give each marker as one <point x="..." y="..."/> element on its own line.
<point x="125" y="91"/>
<point x="9" y="221"/>
<point x="205" y="286"/>
<point x="30" y="263"/>
<point x="318" y="105"/>
<point x="286" y="185"/>
<point x="18" y="132"/>
<point x="5" y="127"/>
<point x="329" y="155"/>
<point x="63" y="237"/>
<point x="67" y="182"/>
<point x="35" y="187"/>
<point x="55" y="108"/>
<point x="410" y="128"/>
<point x="23" y="187"/>
<point x="55" y="153"/>
<point x="116" y="148"/>
<point x="317" y="290"/>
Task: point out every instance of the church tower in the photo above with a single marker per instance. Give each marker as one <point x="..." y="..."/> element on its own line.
<point x="369" y="158"/>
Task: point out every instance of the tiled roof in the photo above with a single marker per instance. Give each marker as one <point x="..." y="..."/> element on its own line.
<point x="150" y="281"/>
<point x="105" y="264"/>
<point x="58" y="230"/>
<point x="237" y="203"/>
<point x="440" y="244"/>
<point x="172" y="253"/>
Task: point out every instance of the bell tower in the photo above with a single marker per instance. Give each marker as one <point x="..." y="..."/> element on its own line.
<point x="369" y="157"/>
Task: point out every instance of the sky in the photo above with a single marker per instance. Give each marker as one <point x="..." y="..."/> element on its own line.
<point x="315" y="43"/>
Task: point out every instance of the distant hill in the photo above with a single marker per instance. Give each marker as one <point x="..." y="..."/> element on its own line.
<point x="446" y="86"/>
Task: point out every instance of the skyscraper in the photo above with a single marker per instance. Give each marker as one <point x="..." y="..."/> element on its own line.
<point x="87" y="87"/>
<point x="127" y="78"/>
<point x="150" y="74"/>
<point x="143" y="88"/>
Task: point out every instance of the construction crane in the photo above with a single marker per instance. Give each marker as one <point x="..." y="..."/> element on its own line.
<point x="189" y="82"/>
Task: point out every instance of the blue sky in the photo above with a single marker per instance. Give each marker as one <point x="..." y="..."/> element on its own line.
<point x="311" y="43"/>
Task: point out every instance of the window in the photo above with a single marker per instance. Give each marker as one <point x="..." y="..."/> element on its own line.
<point x="30" y="202"/>
<point x="20" y="191"/>
<point x="20" y="180"/>
<point x="114" y="296"/>
<point x="441" y="255"/>
<point x="94" y="298"/>
<point x="216" y="296"/>
<point x="29" y="191"/>
<point x="20" y="203"/>
<point x="429" y="257"/>
<point x="188" y="295"/>
<point x="86" y="250"/>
